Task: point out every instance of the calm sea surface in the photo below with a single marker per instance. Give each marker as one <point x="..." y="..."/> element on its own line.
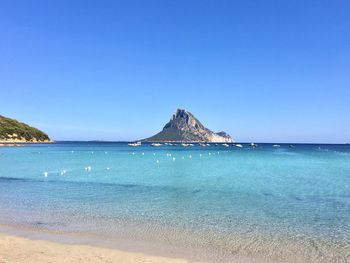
<point x="280" y="204"/>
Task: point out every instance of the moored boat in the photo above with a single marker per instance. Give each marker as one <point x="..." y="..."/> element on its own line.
<point x="134" y="144"/>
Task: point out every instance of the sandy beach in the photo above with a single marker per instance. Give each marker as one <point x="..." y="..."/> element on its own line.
<point x="18" y="249"/>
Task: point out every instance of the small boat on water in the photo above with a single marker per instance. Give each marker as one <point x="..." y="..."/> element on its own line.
<point x="225" y="145"/>
<point x="291" y="146"/>
<point x="134" y="144"/>
<point x="156" y="144"/>
<point x="239" y="145"/>
<point x="185" y="144"/>
<point x="276" y="145"/>
<point x="202" y="144"/>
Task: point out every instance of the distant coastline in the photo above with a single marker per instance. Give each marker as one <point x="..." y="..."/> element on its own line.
<point x="25" y="141"/>
<point x="18" y="143"/>
<point x="236" y="142"/>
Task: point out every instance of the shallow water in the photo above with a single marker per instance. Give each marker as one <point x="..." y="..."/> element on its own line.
<point x="279" y="204"/>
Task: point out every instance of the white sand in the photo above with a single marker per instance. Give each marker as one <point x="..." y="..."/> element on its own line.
<point x="17" y="249"/>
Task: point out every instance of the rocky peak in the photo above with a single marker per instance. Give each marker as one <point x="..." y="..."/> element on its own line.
<point x="183" y="126"/>
<point x="183" y="120"/>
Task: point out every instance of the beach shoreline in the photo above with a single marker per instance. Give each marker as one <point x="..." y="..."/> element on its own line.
<point x="26" y="244"/>
<point x="19" y="143"/>
<point x="19" y="249"/>
<point x="25" y="141"/>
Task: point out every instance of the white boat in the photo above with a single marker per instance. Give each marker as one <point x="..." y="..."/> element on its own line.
<point x="225" y="145"/>
<point x="156" y="144"/>
<point x="276" y="145"/>
<point x="202" y="144"/>
<point x="185" y="144"/>
<point x="239" y="145"/>
<point x="134" y="144"/>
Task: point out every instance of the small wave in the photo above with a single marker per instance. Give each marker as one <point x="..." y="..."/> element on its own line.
<point x="9" y="179"/>
<point x="342" y="153"/>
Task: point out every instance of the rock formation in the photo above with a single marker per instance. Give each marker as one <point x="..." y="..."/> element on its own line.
<point x="184" y="127"/>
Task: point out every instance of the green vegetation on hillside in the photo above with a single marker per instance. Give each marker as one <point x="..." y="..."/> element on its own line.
<point x="9" y="127"/>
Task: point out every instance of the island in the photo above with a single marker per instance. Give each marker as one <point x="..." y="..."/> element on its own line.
<point x="184" y="127"/>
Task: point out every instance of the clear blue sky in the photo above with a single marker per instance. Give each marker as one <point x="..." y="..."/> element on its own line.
<point x="116" y="70"/>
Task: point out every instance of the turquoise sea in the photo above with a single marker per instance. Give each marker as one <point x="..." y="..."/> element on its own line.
<point x="267" y="204"/>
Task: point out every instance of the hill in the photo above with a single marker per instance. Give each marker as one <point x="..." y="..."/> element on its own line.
<point x="12" y="130"/>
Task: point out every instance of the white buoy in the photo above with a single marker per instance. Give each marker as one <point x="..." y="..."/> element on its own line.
<point x="200" y="155"/>
<point x="105" y="152"/>
<point x="154" y="154"/>
<point x="107" y="168"/>
<point x="88" y="168"/>
<point x="182" y="157"/>
<point x="209" y="153"/>
<point x="190" y="156"/>
<point x="157" y="161"/>
<point x="174" y="159"/>
<point x="72" y="151"/>
<point x="46" y="174"/>
<point x="143" y="153"/>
